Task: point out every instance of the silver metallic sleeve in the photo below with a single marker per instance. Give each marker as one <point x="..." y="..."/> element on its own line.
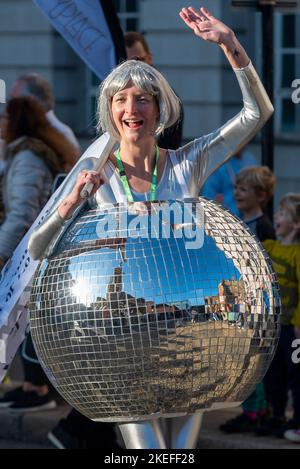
<point x="204" y="155"/>
<point x="256" y="111"/>
<point x="42" y="236"/>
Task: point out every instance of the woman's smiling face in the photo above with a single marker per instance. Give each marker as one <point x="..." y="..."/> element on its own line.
<point x="135" y="113"/>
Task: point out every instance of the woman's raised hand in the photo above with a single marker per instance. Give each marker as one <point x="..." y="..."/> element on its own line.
<point x="209" y="28"/>
<point x="206" y="26"/>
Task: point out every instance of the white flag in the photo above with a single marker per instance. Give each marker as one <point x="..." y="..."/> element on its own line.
<point x="83" y="25"/>
<point x="17" y="274"/>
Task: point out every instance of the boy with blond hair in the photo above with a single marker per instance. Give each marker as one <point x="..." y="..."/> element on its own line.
<point x="254" y="188"/>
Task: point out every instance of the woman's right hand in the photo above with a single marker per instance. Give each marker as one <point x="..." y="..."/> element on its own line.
<point x="83" y="178"/>
<point x="74" y="199"/>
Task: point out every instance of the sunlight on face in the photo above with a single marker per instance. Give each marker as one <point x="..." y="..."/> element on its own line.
<point x="246" y="197"/>
<point x="135" y="113"/>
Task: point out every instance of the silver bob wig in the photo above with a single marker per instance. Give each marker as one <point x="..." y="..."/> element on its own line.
<point x="149" y="80"/>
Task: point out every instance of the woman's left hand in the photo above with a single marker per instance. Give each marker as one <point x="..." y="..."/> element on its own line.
<point x="206" y="26"/>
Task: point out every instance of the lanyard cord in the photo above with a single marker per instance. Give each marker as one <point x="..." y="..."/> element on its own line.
<point x="124" y="179"/>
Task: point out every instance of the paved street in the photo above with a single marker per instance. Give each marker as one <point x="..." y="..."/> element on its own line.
<point x="29" y="431"/>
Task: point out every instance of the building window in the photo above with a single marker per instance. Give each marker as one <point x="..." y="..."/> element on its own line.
<point x="128" y="13"/>
<point x="287" y="69"/>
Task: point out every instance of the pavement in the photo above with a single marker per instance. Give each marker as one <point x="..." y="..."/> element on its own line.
<point x="30" y="430"/>
<point x="211" y="437"/>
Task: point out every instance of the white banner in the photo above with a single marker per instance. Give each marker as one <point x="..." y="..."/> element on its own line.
<point x="16" y="276"/>
<point x="83" y="25"/>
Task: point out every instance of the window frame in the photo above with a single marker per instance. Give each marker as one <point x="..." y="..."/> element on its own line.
<point x="282" y="92"/>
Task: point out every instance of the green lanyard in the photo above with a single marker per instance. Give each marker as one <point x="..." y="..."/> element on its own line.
<point x="125" y="180"/>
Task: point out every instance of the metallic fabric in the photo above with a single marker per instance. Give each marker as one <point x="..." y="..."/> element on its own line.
<point x="132" y="325"/>
<point x="175" y="433"/>
<point x="47" y="230"/>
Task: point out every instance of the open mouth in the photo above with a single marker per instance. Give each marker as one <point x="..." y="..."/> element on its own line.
<point x="133" y="124"/>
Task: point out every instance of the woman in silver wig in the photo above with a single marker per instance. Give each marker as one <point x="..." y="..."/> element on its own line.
<point x="148" y="80"/>
<point x="135" y="105"/>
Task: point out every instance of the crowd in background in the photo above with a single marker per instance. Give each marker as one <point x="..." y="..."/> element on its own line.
<point x="36" y="147"/>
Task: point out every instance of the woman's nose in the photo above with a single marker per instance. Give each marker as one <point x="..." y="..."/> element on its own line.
<point x="130" y="106"/>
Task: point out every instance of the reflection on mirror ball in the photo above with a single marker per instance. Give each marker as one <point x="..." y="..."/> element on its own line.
<point x="140" y="323"/>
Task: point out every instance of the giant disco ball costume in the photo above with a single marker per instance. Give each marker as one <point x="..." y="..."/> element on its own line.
<point x="137" y="325"/>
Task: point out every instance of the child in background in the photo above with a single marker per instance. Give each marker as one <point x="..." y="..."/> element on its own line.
<point x="283" y="374"/>
<point x="254" y="187"/>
